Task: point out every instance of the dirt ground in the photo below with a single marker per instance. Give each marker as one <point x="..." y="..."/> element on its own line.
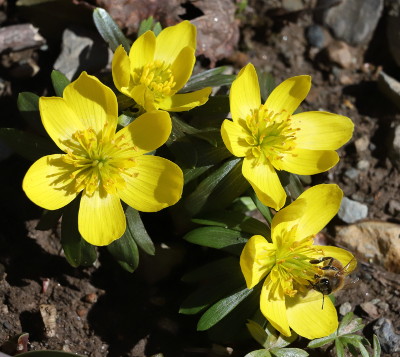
<point x="105" y="311"/>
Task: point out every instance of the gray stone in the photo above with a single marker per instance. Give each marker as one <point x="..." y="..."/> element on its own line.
<point x="81" y="50"/>
<point x="389" y="340"/>
<point x="345" y="308"/>
<point x="353" y="21"/>
<point x="341" y="54"/>
<point x="393" y="29"/>
<point x="363" y="165"/>
<point x="352" y="173"/>
<point x="351" y="211"/>
<point x="317" y="36"/>
<point x="394" y="146"/>
<point x="390" y="87"/>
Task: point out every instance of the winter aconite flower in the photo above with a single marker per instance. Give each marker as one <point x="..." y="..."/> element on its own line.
<point x="270" y="137"/>
<point x="103" y="165"/>
<point x="158" y="67"/>
<point x="287" y="298"/>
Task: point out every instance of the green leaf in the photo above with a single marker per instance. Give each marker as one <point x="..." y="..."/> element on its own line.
<point x="28" y="145"/>
<point x="363" y="350"/>
<point x="28" y="106"/>
<point x="219" y="189"/>
<point x="138" y="231"/>
<point x="109" y="30"/>
<point x="339" y="348"/>
<point x="288" y="352"/>
<point x="191" y="174"/>
<point x="149" y="25"/>
<point x="48" y="354"/>
<point x="218" y="270"/>
<point x="234" y="220"/>
<point x="259" y="353"/>
<point x="49" y="219"/>
<point x="267" y="84"/>
<point x="319" y="342"/>
<point x="218" y="238"/>
<point x="222" y="308"/>
<point x="258" y="333"/>
<point x="211" y="292"/>
<point x="210" y="78"/>
<point x="59" y="82"/>
<point x="76" y="249"/>
<point x="125" y="251"/>
<point x="264" y="210"/>
<point x="376" y="347"/>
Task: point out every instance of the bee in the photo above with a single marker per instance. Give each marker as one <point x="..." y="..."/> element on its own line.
<point x="333" y="276"/>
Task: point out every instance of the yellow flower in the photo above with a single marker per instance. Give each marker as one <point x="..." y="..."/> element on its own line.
<point x="158" y="67"/>
<point x="104" y="165"/>
<point x="287" y="299"/>
<point x="270" y="137"/>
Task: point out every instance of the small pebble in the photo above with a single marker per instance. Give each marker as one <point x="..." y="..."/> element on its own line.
<point x="90" y="298"/>
<point x="345" y="308"/>
<point x="370" y="309"/>
<point x="363" y="165"/>
<point x="389" y="340"/>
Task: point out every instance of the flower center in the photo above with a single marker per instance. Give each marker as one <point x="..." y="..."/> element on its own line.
<point x="271" y="135"/>
<point x="156" y="76"/>
<point x="293" y="267"/>
<point x="97" y="160"/>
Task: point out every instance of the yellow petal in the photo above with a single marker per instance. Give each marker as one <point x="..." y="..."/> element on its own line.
<point x="312" y="210"/>
<point x="186" y="101"/>
<point x="307" y="162"/>
<point x="146" y="133"/>
<point x="154" y="183"/>
<point x="173" y="39"/>
<point x="273" y="306"/>
<point x="322" y="130"/>
<point x="182" y="67"/>
<point x="93" y="103"/>
<point x="101" y="219"/>
<point x="43" y="185"/>
<point x="265" y="182"/>
<point x="121" y="68"/>
<point x="144" y="97"/>
<point x="256" y="260"/>
<point x="244" y="96"/>
<point x="234" y="137"/>
<point x="345" y="257"/>
<point x="142" y="50"/>
<point x="288" y="95"/>
<point x="59" y="120"/>
<point x="307" y="318"/>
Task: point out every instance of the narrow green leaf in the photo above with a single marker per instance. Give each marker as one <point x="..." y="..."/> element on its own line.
<point x="195" y="201"/>
<point x="49" y="219"/>
<point x="363" y="350"/>
<point x="258" y="333"/>
<point x="218" y="238"/>
<point x="264" y="210"/>
<point x="109" y="30"/>
<point x="294" y="188"/>
<point x="209" y="293"/>
<point x="319" y="342"/>
<point x="203" y="80"/>
<point x="191" y="174"/>
<point x="339" y="348"/>
<point x="149" y="25"/>
<point x="376" y="346"/>
<point x="125" y="251"/>
<point x="259" y="353"/>
<point x="218" y="270"/>
<point x="59" y="82"/>
<point x="222" y="308"/>
<point x="267" y="84"/>
<point x="138" y="231"/>
<point x="28" y="106"/>
<point x="234" y="220"/>
<point x="288" y="352"/>
<point x="28" y="145"/>
<point x="76" y="249"/>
